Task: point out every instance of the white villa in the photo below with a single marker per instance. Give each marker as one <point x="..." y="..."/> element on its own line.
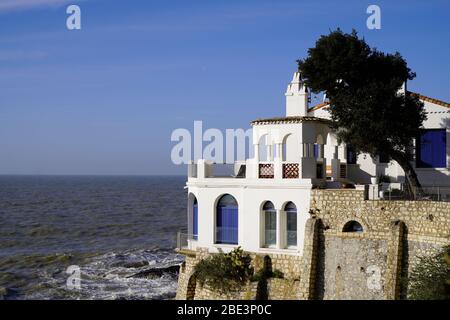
<point x="264" y="204"/>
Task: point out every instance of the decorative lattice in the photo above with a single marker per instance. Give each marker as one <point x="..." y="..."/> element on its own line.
<point x="343" y="171"/>
<point x="266" y="171"/>
<point x="290" y="170"/>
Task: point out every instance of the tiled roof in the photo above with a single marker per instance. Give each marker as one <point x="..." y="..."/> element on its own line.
<point x="428" y="99"/>
<point x="421" y="97"/>
<point x="320" y="105"/>
<point x="288" y="120"/>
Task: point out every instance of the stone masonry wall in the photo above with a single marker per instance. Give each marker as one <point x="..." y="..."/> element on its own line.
<point x="278" y="289"/>
<point x="370" y="265"/>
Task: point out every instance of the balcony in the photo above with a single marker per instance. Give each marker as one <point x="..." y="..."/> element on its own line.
<point x="186" y="241"/>
<point x="305" y="168"/>
<point x="266" y="171"/>
<point x="225" y="170"/>
<point x="192" y="170"/>
<point x="206" y="169"/>
<point x="291" y="171"/>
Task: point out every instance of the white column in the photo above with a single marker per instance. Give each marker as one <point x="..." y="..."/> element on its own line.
<point x="321" y="151"/>
<point x="269" y="152"/>
<point x="262" y="229"/>
<point x="279" y="147"/>
<point x="335" y="164"/>
<point x="283" y="229"/>
<point x="256" y="152"/>
<point x="279" y="230"/>
<point x="201" y="169"/>
<point x="305" y="150"/>
<point x="310" y="150"/>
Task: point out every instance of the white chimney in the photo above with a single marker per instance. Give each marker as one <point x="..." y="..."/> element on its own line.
<point x="403" y="89"/>
<point x="296" y="97"/>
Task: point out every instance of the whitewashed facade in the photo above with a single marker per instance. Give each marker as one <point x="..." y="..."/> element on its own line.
<point x="263" y="203"/>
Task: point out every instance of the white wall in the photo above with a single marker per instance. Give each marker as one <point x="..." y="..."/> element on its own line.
<point x="250" y="200"/>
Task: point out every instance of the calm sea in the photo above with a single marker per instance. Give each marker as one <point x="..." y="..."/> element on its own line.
<point x="119" y="231"/>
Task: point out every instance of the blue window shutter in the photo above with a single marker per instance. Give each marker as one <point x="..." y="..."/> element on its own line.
<point x="195" y="222"/>
<point x="234" y="217"/>
<point x="431" y="149"/>
<point x="219" y="224"/>
<point x="351" y="156"/>
<point x="227" y="225"/>
<point x="316" y="151"/>
<point x="439" y="149"/>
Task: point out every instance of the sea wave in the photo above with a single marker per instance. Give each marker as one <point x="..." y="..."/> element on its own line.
<point x="120" y="231"/>
<point x="130" y="275"/>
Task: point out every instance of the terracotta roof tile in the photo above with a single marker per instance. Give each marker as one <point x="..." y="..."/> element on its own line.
<point x="428" y="99"/>
<point x="287" y="120"/>
<point x="319" y="106"/>
<point x="421" y="97"/>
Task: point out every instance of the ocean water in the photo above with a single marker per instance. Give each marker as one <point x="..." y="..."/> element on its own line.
<point x="119" y="231"/>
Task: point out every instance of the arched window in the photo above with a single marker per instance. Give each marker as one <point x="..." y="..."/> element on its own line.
<point x="291" y="224"/>
<point x="352" y="226"/>
<point x="227" y="220"/>
<point x="270" y="224"/>
<point x="195" y="219"/>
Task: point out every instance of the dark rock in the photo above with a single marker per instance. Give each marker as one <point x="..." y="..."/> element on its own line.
<point x="7" y="293"/>
<point x="137" y="264"/>
<point x="132" y="264"/>
<point x="157" y="272"/>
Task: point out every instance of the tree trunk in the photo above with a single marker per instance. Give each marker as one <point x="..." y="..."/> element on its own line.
<point x="412" y="182"/>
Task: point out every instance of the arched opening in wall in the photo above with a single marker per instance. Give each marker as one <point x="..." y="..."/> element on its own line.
<point x="291" y="224"/>
<point x="191" y="286"/>
<point x="195" y="219"/>
<point x="291" y="148"/>
<point x="263" y="142"/>
<point x="192" y="210"/>
<point x="227" y="220"/>
<point x="353" y="226"/>
<point x="270" y="224"/>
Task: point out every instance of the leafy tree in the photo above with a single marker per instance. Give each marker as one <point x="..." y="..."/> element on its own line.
<point x="368" y="112"/>
<point x="429" y="278"/>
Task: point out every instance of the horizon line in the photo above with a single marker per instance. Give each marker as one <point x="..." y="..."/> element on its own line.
<point x="91" y="175"/>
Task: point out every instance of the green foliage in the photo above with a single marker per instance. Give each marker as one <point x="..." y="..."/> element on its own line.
<point x="224" y="272"/>
<point x="362" y="83"/>
<point x="396" y="193"/>
<point x="382" y="178"/>
<point x="430" y="277"/>
<point x="263" y="274"/>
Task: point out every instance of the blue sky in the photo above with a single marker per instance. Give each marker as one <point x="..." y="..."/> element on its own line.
<point x="105" y="99"/>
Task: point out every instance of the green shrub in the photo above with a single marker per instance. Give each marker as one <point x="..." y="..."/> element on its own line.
<point x="277" y="274"/>
<point x="382" y="178"/>
<point x="429" y="278"/>
<point x="397" y="193"/>
<point x="224" y="272"/>
<point x="267" y="274"/>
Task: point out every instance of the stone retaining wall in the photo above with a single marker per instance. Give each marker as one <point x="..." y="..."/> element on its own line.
<point x="344" y="265"/>
<point x="286" y="288"/>
<point x="394" y="234"/>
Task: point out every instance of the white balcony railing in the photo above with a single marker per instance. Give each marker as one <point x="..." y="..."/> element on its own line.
<point x="186" y="241"/>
